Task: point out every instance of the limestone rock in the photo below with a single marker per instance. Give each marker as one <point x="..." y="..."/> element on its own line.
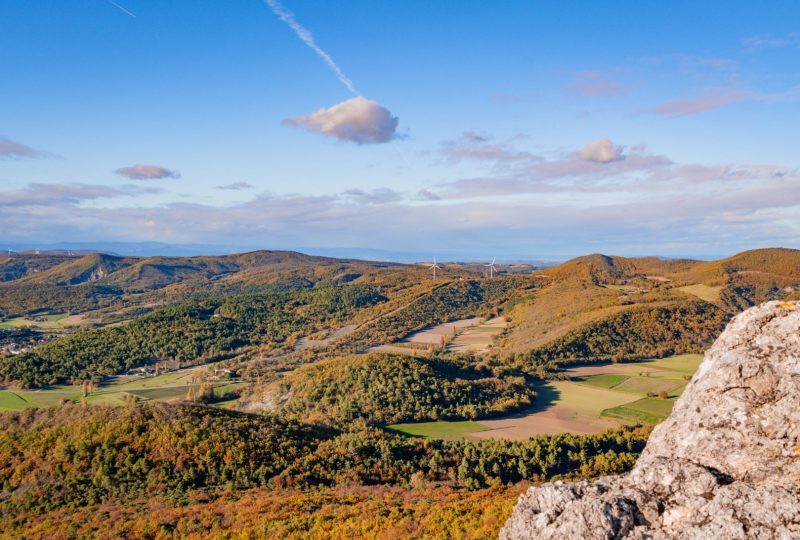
<point x="724" y="465"/>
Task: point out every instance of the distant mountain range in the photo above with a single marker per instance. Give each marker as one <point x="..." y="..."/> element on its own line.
<point x="150" y="249"/>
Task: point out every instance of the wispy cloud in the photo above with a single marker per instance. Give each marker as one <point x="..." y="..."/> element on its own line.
<point x="12" y="150"/>
<point x="357" y="120"/>
<point x="748" y="205"/>
<point x="308" y="38"/>
<point x="147" y="172"/>
<point x="714" y="100"/>
<point x="236" y="186"/>
<point x="770" y="41"/>
<point x="37" y="194"/>
<point x="621" y="197"/>
<point x="474" y="146"/>
<point x="374" y="196"/>
<point x="596" y="83"/>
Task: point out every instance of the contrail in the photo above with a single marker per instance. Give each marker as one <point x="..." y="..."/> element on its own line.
<point x="308" y="39"/>
<point x="121" y="8"/>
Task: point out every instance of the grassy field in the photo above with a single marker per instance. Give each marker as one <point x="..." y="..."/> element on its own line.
<point x="60" y="320"/>
<point x="685" y="364"/>
<point x="703" y="292"/>
<point x="439" y="430"/>
<point x="169" y="386"/>
<point x="645" y="385"/>
<point x="645" y="411"/>
<point x="603" y="381"/>
<point x="10" y="401"/>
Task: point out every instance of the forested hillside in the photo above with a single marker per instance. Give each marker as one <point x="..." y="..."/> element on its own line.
<point x="390" y="389"/>
<point x="643" y="332"/>
<point x="194" y="332"/>
<point x="75" y="456"/>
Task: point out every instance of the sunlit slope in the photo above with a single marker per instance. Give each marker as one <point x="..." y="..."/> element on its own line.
<point x="585" y="296"/>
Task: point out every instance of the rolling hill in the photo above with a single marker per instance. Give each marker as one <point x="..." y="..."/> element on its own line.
<point x="590" y="292"/>
<point x="591" y="308"/>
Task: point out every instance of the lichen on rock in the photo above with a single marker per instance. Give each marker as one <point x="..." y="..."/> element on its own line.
<point x="724" y="465"/>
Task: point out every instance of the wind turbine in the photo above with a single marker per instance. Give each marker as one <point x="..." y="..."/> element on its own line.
<point x="433" y="267"/>
<point x="492" y="268"/>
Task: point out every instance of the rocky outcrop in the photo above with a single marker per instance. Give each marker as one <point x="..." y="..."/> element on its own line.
<point x="724" y="465"/>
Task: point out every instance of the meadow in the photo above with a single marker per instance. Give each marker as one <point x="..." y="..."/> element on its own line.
<point x="44" y="322"/>
<point x="703" y="292"/>
<point x="166" y="387"/>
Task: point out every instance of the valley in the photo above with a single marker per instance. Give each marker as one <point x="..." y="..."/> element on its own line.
<point x="273" y="376"/>
<point x="587" y="400"/>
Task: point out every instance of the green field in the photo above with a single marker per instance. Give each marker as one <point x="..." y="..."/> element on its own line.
<point x="645" y="411"/>
<point x="602" y="381"/>
<point x="166" y="387"/>
<point x="10" y="401"/>
<point x="39" y="321"/>
<point x="582" y="398"/>
<point x="645" y="385"/>
<point x="438" y="430"/>
<point x="685" y="364"/>
<point x="651" y="377"/>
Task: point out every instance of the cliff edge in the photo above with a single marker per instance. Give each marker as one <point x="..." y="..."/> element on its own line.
<point x="724" y="465"/>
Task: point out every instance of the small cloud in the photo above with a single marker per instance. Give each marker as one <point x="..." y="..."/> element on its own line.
<point x="593" y="83"/>
<point x="147" y="172"/>
<point x="686" y="107"/>
<point x="601" y="151"/>
<point x="357" y="120"/>
<point x="12" y="150"/>
<point x="236" y="186"/>
<point x="475" y="137"/>
<point x="376" y="196"/>
<point x="427" y="195"/>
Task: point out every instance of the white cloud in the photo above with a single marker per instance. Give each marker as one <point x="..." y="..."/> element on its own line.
<point x="601" y="151"/>
<point x="357" y="120"/>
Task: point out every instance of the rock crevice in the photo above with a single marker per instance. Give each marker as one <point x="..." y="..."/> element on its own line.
<point x="724" y="465"/>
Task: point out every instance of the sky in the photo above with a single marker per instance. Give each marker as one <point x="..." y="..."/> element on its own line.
<point x="516" y="130"/>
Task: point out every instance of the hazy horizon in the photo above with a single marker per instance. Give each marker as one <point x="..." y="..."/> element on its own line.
<point x="148" y="249"/>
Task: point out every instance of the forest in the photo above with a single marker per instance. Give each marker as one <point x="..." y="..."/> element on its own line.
<point x="388" y="389"/>
<point x="197" y="332"/>
<point x="73" y="455"/>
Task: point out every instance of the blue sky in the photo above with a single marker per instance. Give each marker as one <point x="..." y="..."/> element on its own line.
<point x="516" y="129"/>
